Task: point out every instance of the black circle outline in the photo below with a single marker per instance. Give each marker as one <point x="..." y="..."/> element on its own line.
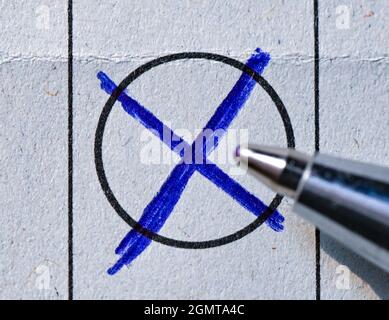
<point x="99" y="141"/>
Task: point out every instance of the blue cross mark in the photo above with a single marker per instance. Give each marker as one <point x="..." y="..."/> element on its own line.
<point x="158" y="210"/>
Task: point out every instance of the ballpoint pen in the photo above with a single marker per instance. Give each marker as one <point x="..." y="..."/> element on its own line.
<point x="348" y="200"/>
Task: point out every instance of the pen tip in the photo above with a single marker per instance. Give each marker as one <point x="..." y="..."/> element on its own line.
<point x="276" y="167"/>
<point x="237" y="153"/>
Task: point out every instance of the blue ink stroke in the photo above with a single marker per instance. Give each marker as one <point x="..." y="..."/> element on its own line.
<point x="158" y="210"/>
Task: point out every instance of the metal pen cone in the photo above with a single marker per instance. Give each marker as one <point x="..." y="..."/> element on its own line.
<point x="280" y="169"/>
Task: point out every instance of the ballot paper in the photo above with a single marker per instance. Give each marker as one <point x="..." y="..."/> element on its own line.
<point x="101" y="103"/>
